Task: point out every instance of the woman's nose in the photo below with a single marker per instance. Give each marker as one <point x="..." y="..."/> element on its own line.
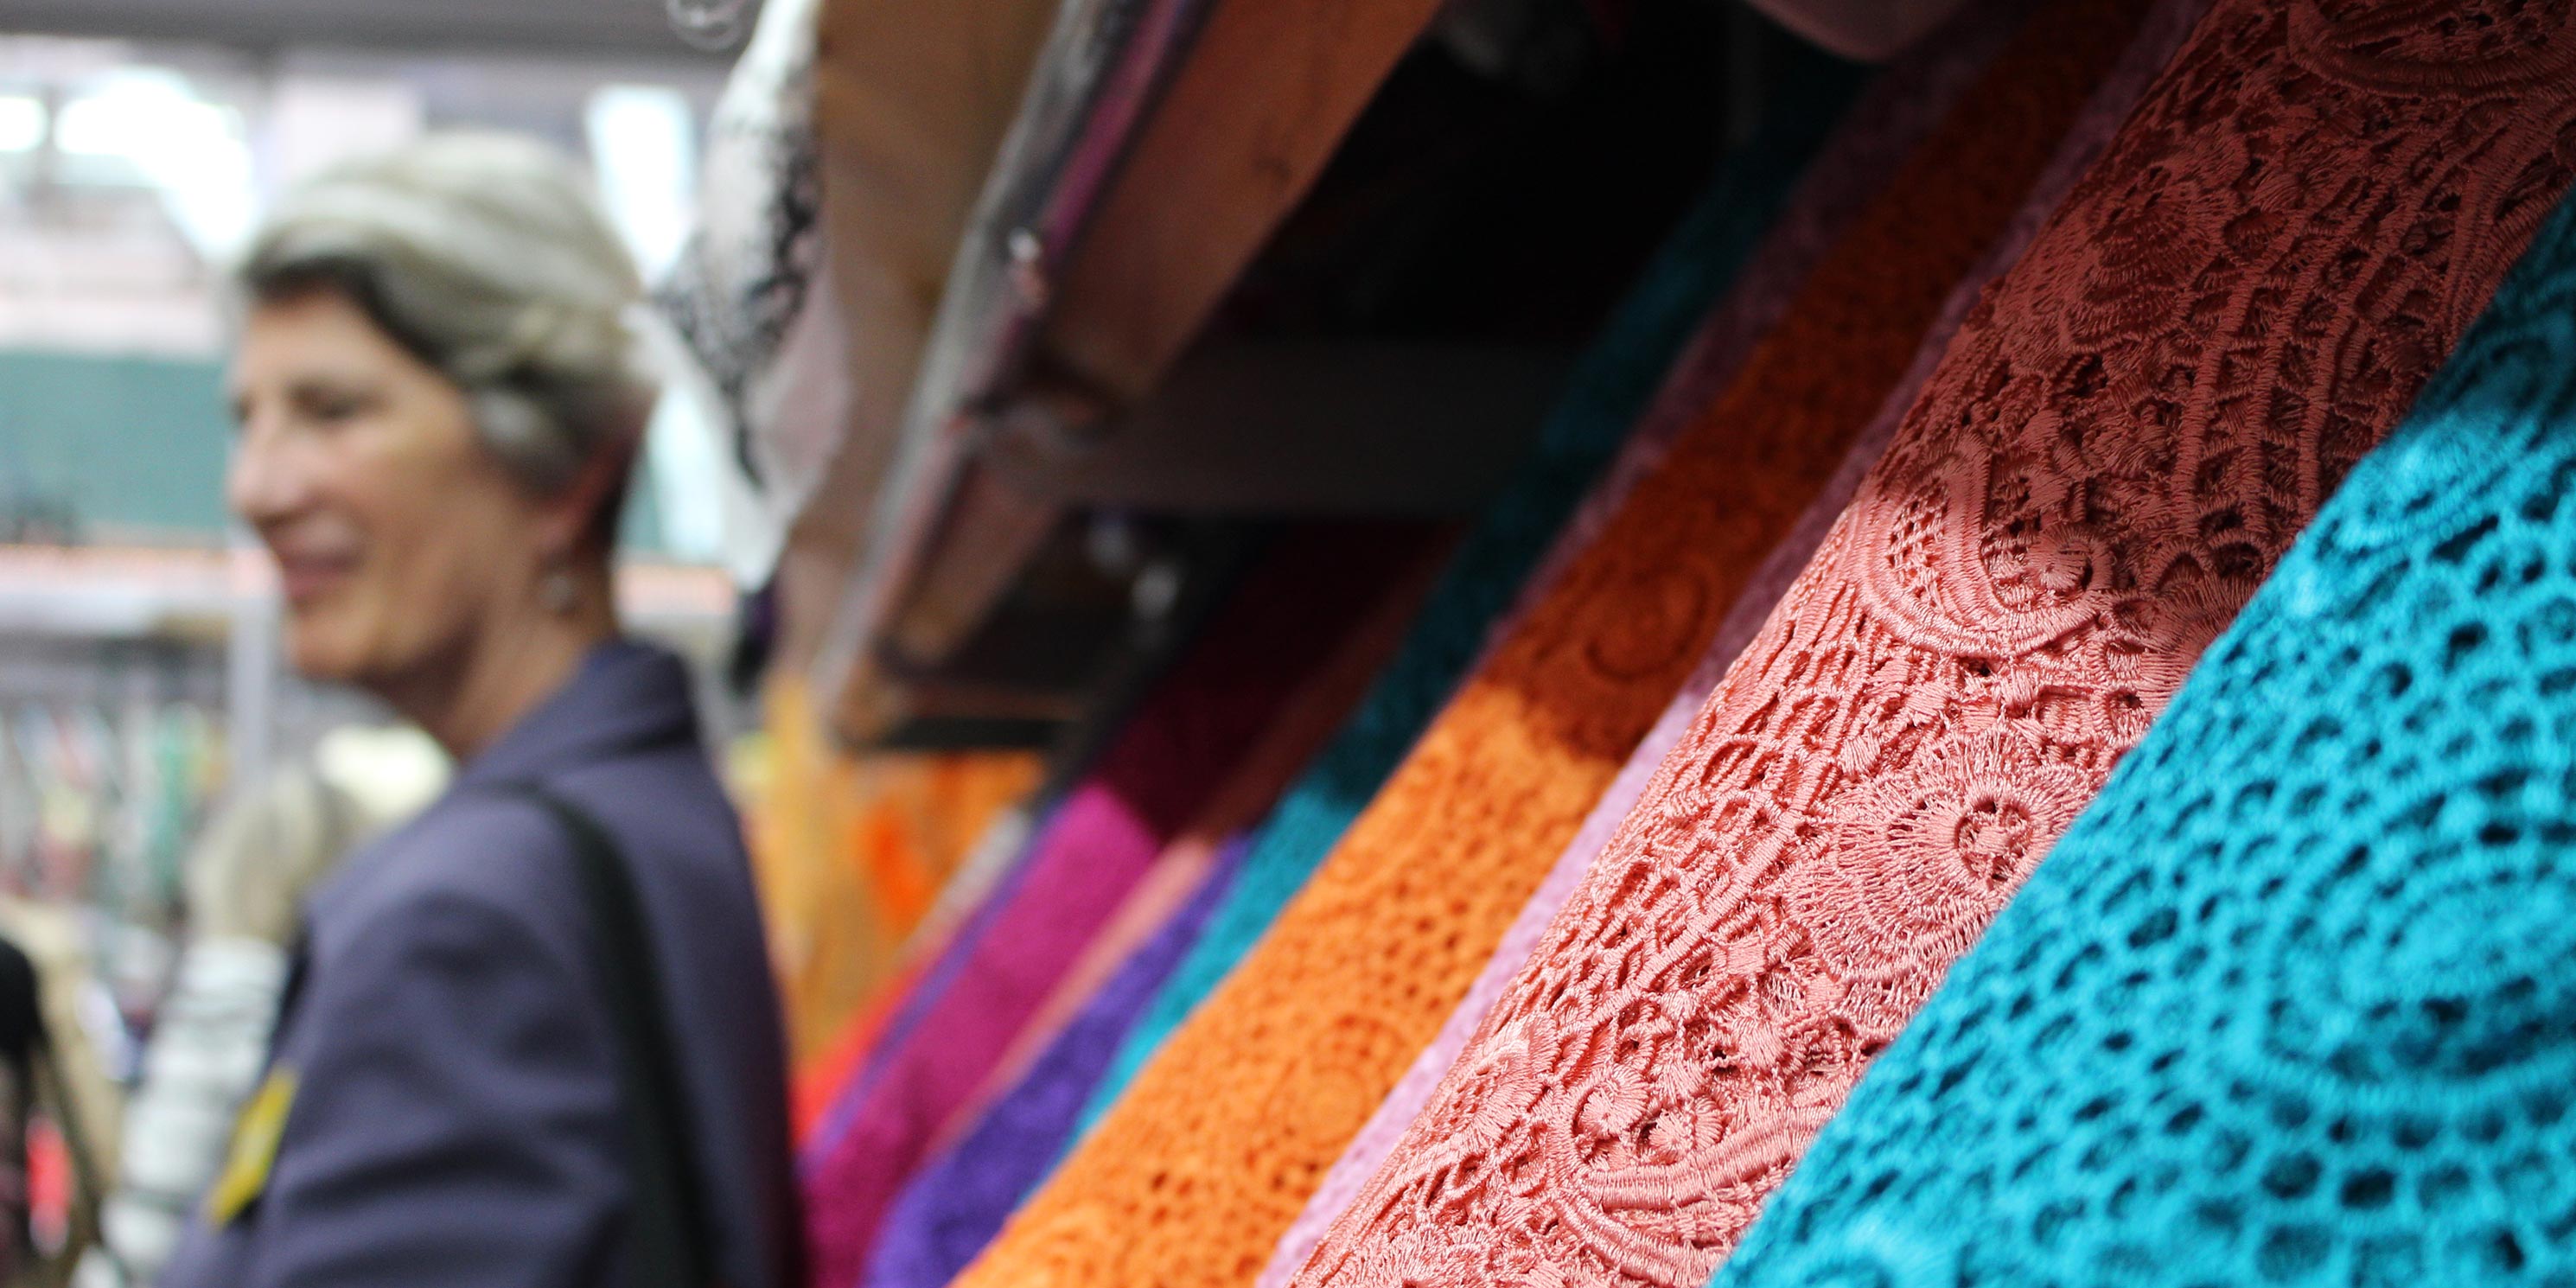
<point x="261" y="483"/>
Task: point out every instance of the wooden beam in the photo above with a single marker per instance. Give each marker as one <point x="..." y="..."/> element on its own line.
<point x="1247" y="124"/>
<point x="1296" y="427"/>
<point x="1102" y="63"/>
<point x="912" y="101"/>
<point x="1161" y="145"/>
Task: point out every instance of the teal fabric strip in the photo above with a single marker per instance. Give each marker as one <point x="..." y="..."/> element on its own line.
<point x="2294" y="1002"/>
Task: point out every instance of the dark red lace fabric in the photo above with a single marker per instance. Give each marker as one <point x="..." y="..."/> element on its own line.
<point x="2236" y="303"/>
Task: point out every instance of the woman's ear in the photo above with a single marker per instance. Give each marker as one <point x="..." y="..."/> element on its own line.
<point x="584" y="514"/>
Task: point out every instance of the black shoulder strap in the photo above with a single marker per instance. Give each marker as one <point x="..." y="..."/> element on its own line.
<point x="667" y="1234"/>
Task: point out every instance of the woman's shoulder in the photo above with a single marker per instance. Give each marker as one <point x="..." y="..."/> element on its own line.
<point x="486" y="857"/>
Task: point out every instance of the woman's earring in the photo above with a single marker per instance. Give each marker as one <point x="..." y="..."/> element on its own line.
<point x="559" y="591"/>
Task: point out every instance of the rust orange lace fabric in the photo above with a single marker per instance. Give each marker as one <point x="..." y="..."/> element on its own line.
<point x="2244" y="294"/>
<point x="1191" y="1178"/>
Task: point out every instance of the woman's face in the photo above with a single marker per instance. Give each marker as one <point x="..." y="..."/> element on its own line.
<point x="399" y="538"/>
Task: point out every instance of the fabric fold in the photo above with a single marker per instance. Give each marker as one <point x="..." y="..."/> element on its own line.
<point x="1277" y="625"/>
<point x="2130" y="428"/>
<point x="2290" y="1003"/>
<point x="2110" y="105"/>
<point x="1193" y="1175"/>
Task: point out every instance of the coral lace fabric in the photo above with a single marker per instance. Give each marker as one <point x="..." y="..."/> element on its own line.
<point x="1939" y="59"/>
<point x="2291" y="1004"/>
<point x="2233" y="306"/>
<point x="1192" y="1177"/>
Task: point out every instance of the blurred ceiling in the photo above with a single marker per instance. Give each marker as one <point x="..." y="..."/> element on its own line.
<point x="622" y="28"/>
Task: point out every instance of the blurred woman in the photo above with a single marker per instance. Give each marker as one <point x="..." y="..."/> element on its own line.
<point x="530" y="1037"/>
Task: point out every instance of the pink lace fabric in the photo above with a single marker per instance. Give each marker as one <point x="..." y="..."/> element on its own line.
<point x="2236" y="302"/>
<point x="1894" y="115"/>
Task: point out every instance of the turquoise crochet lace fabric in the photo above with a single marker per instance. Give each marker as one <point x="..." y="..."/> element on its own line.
<point x="1603" y="398"/>
<point x="2295" y="1001"/>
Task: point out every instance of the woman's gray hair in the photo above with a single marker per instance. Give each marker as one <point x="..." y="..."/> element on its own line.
<point x="485" y="256"/>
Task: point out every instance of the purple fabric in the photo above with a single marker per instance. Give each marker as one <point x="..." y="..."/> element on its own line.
<point x="958" y="1202"/>
<point x="1168" y="761"/>
<point x="1953" y="62"/>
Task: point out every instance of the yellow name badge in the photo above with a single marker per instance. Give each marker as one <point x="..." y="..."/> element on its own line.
<point x="255" y="1136"/>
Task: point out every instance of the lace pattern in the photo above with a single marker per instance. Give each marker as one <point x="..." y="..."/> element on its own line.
<point x="1582" y="436"/>
<point x="2291" y="1003"/>
<point x="1877" y="139"/>
<point x="1192" y="1176"/>
<point x="2131" y="427"/>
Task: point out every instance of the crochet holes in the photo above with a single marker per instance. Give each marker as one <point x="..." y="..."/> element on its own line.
<point x="2550" y="627"/>
<point x="2368" y="1190"/>
<point x="2101" y="468"/>
<point x="2458" y="549"/>
<point x="2469" y="31"/>
<point x="2292" y="1253"/>
<point x="2156" y="929"/>
<point x="1910" y="552"/>
<point x="1995" y="838"/>
<point x="2292" y="1177"/>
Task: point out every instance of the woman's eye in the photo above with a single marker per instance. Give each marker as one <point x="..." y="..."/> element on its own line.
<point x="335" y="409"/>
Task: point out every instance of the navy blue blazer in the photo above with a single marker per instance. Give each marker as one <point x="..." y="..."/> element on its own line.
<point x="454" y="1113"/>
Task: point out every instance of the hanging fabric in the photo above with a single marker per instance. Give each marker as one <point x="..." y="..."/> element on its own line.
<point x="967" y="889"/>
<point x="818" y="1083"/>
<point x="952" y="1209"/>
<point x="956" y="1207"/>
<point x="1284" y="617"/>
<point x="2110" y="105"/>
<point x="1004" y="858"/>
<point x="926" y="820"/>
<point x="894" y="1028"/>
<point x="848" y="852"/>
<point x="1194" y="1175"/>
<point x="1306" y="721"/>
<point x="824" y="1081"/>
<point x="1582" y="436"/>
<point x="2137" y="420"/>
<point x="2290" y="1004"/>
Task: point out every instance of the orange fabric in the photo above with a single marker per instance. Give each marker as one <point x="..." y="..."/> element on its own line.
<point x="898" y="872"/>
<point x="1193" y="1176"/>
<point x="849" y="852"/>
<point x="932" y="811"/>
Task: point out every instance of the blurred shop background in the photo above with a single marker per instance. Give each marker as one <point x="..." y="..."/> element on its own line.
<point x="141" y="684"/>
